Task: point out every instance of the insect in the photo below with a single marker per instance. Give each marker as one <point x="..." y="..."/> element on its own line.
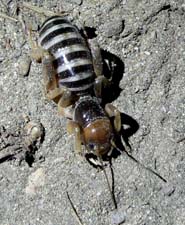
<point x="73" y="79"/>
<point x="72" y="74"/>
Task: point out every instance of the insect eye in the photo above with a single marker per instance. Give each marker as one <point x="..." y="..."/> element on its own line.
<point x="91" y="146"/>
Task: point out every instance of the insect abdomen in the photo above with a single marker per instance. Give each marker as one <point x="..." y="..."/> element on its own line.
<point x="73" y="60"/>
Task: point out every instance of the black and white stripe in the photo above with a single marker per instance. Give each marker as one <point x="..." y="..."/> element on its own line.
<point x="72" y="57"/>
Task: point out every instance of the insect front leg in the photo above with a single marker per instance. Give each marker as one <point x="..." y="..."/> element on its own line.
<point x="67" y="98"/>
<point x="74" y="128"/>
<point x="66" y="102"/>
<point x="100" y="83"/>
<point x="112" y="111"/>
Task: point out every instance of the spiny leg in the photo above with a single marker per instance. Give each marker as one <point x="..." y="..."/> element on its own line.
<point x="49" y="73"/>
<point x="37" y="52"/>
<point x="52" y="91"/>
<point x="96" y="56"/>
<point x="60" y="95"/>
<point x="74" y="128"/>
<point x="94" y="48"/>
<point x="66" y="112"/>
<point x="100" y="83"/>
<point x="67" y="98"/>
<point x="65" y="103"/>
<point x="112" y="111"/>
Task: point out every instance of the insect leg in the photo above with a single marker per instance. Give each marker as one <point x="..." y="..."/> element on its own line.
<point x="41" y="55"/>
<point x="96" y="56"/>
<point x="67" y="98"/>
<point x="36" y="51"/>
<point x="52" y="91"/>
<point x="101" y="81"/>
<point x="113" y="111"/>
<point x="74" y="128"/>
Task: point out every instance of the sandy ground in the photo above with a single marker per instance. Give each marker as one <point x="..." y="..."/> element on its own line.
<point x="149" y="39"/>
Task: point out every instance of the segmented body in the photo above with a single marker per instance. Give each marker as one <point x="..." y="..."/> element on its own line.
<point x="72" y="57"/>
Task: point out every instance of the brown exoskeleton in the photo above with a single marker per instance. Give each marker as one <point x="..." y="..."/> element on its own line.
<point x="91" y="125"/>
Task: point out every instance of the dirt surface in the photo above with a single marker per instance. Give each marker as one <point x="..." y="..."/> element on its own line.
<point x="149" y="39"/>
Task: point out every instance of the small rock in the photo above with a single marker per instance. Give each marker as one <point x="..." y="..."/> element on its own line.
<point x="168" y="190"/>
<point x="35" y="180"/>
<point x="117" y="217"/>
<point x="1" y="59"/>
<point x="147" y="53"/>
<point x="110" y="5"/>
<point x="153" y="35"/>
<point x="113" y="28"/>
<point x="34" y="131"/>
<point x="77" y="2"/>
<point x="24" y="65"/>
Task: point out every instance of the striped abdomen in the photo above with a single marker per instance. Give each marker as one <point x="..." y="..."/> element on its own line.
<point x="73" y="60"/>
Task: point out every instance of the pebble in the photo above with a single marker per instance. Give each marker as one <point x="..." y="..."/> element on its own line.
<point x="109" y="5"/>
<point x="118" y="217"/>
<point x="35" y="180"/>
<point x="77" y="2"/>
<point x="168" y="190"/>
<point x="24" y="65"/>
<point x="34" y="132"/>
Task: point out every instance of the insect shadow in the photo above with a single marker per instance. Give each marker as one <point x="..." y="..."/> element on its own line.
<point x="113" y="69"/>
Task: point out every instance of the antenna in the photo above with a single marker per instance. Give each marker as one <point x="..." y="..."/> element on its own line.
<point x="135" y="160"/>
<point x="107" y="180"/>
<point x="74" y="210"/>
